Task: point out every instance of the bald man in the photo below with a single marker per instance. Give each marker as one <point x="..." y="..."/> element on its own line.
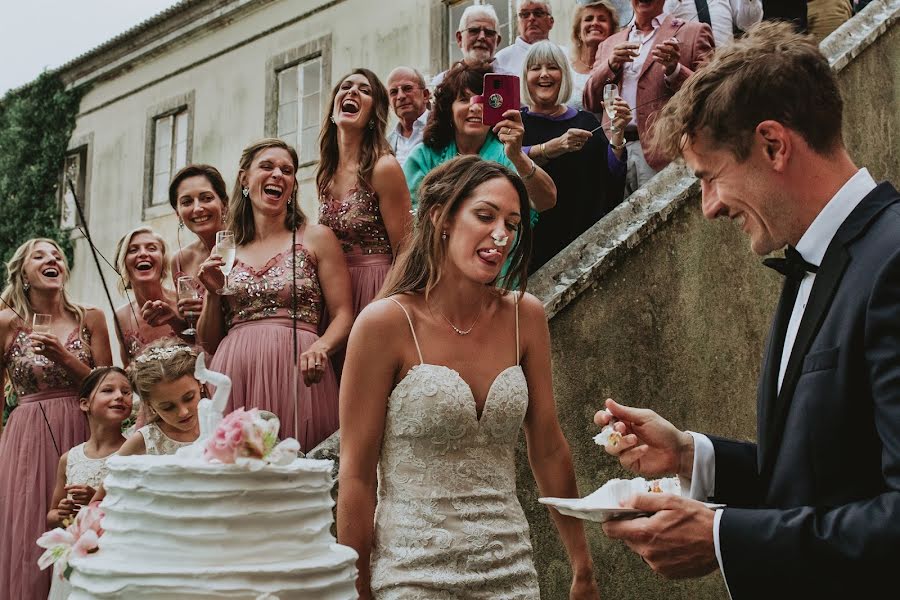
<point x="409" y="98"/>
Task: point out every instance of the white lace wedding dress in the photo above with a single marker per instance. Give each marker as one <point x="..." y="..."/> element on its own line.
<point x="448" y="523"/>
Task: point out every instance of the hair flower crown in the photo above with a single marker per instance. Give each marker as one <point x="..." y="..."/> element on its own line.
<point x="164" y="353"/>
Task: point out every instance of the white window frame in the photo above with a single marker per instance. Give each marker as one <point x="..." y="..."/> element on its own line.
<point x="160" y="166"/>
<point x="300" y="103"/>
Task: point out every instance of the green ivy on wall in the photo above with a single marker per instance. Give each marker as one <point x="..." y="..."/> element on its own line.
<point x="36" y="122"/>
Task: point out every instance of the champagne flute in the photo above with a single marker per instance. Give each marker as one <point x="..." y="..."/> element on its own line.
<point x="226" y="248"/>
<point x="40" y="323"/>
<point x="188" y="288"/>
<point x="610" y="93"/>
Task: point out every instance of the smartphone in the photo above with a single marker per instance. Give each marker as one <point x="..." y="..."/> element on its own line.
<point x="501" y="93"/>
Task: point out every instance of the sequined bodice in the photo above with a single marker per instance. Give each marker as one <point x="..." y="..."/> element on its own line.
<point x="31" y="373"/>
<point x="356" y="221"/>
<point x="81" y="470"/>
<point x="266" y="292"/>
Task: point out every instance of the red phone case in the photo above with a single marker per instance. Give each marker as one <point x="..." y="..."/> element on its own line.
<point x="501" y="93"/>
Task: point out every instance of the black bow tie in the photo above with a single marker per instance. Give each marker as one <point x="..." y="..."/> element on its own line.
<point x="792" y="265"/>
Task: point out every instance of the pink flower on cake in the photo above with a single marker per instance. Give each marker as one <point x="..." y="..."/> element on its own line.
<point x="241" y="434"/>
<point x="249" y="437"/>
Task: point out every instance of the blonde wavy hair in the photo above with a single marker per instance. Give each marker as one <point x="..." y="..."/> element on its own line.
<point x="16" y="297"/>
<point x="124" y="282"/>
<point x="160" y="361"/>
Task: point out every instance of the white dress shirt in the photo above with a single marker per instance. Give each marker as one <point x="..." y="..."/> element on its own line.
<point x="631" y="71"/>
<point x="812" y="247"/>
<point x="401" y="145"/>
<point x="723" y="14"/>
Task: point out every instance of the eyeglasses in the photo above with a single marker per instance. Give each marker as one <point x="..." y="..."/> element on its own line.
<point x="406" y="89"/>
<point x="475" y="31"/>
<point x="537" y="14"/>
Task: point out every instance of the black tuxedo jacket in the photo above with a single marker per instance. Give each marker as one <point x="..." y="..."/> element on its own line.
<point x="814" y="508"/>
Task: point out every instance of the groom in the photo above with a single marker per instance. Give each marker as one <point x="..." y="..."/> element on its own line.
<point x="813" y="509"/>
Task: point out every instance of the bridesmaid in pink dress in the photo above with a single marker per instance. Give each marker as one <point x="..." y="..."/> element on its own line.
<point x="363" y="194"/>
<point x="252" y="331"/>
<point x="45" y="370"/>
<point x="152" y="314"/>
<point x="198" y="196"/>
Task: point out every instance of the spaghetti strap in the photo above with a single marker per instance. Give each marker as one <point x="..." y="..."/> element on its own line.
<point x="518" y="297"/>
<point x="411" y="328"/>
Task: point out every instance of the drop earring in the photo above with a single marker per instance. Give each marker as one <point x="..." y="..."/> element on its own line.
<point x="180" y="224"/>
<point x="224" y="217"/>
<point x="26" y="286"/>
<point x="444" y="235"/>
<point x="372" y="124"/>
<point x="245" y="192"/>
<point x="331" y="118"/>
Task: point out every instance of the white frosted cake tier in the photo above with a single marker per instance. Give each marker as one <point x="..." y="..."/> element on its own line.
<point x="186" y="528"/>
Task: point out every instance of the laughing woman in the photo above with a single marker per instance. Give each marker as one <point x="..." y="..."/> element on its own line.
<point x="286" y="271"/>
<point x="362" y="191"/>
<point x="45" y="370"/>
<point x="141" y="260"/>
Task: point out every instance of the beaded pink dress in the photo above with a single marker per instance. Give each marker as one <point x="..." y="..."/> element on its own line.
<point x="137" y="334"/>
<point x="357" y="223"/>
<point x="46" y="423"/>
<point x="257" y="353"/>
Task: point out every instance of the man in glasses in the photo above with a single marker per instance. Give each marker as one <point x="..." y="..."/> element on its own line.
<point x="535" y="22"/>
<point x="477" y="37"/>
<point x="409" y="98"/>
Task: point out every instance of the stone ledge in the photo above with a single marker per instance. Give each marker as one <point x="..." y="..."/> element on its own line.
<point x="609" y="240"/>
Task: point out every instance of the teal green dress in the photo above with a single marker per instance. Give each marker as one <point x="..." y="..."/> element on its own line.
<point x="423" y="159"/>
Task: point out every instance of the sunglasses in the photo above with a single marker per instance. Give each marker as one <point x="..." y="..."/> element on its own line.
<point x="488" y="33"/>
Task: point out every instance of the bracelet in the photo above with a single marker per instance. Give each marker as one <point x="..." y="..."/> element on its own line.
<point x="531" y="173"/>
<point x="543" y="151"/>
<point x="614" y="147"/>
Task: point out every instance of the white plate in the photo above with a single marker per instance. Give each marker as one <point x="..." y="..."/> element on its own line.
<point x="574" y="507"/>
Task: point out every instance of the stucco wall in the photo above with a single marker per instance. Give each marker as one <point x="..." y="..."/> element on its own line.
<point x="659" y="308"/>
<point x="224" y="66"/>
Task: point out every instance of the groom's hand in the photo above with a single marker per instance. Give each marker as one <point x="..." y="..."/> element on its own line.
<point x="650" y="445"/>
<point x="676" y="541"/>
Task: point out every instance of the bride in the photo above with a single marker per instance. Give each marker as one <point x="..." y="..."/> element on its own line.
<point x="440" y="375"/>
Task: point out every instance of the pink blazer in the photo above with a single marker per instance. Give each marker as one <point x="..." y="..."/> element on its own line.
<point x="695" y="43"/>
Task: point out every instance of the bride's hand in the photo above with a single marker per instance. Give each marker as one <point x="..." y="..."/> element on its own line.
<point x="584" y="588"/>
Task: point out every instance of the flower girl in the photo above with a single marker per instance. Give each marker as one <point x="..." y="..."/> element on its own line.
<point x="163" y="376"/>
<point x="105" y="398"/>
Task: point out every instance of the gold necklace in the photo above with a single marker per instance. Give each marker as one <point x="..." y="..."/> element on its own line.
<point x="457" y="329"/>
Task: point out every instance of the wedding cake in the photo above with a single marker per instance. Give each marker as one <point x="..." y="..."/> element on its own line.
<point x="232" y="516"/>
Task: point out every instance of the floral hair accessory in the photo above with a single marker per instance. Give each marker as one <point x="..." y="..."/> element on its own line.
<point x="80" y="538"/>
<point x="163" y="353"/>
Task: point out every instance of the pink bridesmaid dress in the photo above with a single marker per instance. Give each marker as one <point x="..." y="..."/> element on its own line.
<point x="357" y="223"/>
<point x="257" y="352"/>
<point x="47" y="422"/>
